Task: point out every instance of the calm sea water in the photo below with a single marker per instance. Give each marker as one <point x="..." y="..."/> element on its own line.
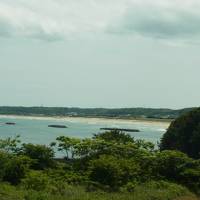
<point x="36" y="130"/>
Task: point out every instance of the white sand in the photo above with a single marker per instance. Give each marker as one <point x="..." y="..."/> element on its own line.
<point x="91" y="120"/>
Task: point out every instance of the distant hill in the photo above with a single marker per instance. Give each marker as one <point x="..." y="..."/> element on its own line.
<point x="158" y="113"/>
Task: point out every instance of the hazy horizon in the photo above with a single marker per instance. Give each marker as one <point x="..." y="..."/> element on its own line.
<point x="94" y="107"/>
<point x="113" y="54"/>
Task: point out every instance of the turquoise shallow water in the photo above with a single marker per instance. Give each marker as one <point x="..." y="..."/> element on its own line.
<point x="36" y="130"/>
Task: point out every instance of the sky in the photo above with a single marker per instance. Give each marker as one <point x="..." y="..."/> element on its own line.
<point x="100" y="53"/>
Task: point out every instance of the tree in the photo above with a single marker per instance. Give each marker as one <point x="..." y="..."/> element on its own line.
<point x="4" y="159"/>
<point x="113" y="172"/>
<point x="16" y="169"/>
<point x="184" y="134"/>
<point x="115" y="136"/>
<point x="10" y="145"/>
<point x="169" y="164"/>
<point x="67" y="145"/>
<point x="42" y="154"/>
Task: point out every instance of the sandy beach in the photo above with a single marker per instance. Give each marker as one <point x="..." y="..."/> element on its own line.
<point x="91" y="120"/>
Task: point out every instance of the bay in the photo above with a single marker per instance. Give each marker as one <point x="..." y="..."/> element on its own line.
<point x="35" y="129"/>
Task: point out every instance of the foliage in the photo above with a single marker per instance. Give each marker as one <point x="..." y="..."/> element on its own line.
<point x="110" y="171"/>
<point x="16" y="169"/>
<point x="170" y="164"/>
<point x="148" y="191"/>
<point x="114" y="136"/>
<point x="104" y="143"/>
<point x="10" y="145"/>
<point x="4" y="158"/>
<point x="35" y="180"/>
<point x="184" y="134"/>
<point x="68" y="145"/>
<point x="41" y="154"/>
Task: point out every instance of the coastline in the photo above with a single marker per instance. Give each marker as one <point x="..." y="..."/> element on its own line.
<point x="90" y="119"/>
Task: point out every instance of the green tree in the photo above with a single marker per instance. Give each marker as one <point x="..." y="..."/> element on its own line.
<point x="42" y="155"/>
<point x="169" y="164"/>
<point x="16" y="169"/>
<point x="67" y="145"/>
<point x="4" y="159"/>
<point x="115" y="136"/>
<point x="10" y="145"/>
<point x="113" y="172"/>
<point x="184" y="134"/>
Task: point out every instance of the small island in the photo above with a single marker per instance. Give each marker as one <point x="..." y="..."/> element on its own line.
<point x="57" y="126"/>
<point x="10" y="123"/>
<point x="120" y="129"/>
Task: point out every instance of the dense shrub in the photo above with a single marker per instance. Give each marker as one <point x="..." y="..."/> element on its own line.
<point x="4" y="159"/>
<point x="114" y="136"/>
<point x="170" y="164"/>
<point x="35" y="180"/>
<point x="41" y="154"/>
<point x="16" y="169"/>
<point x="113" y="172"/>
<point x="184" y="134"/>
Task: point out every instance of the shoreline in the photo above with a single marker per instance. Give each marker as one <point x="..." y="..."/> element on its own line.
<point x="90" y="119"/>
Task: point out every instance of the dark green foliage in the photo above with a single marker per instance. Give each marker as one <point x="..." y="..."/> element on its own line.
<point x="110" y="171"/>
<point x="190" y="175"/>
<point x="104" y="143"/>
<point x="13" y="168"/>
<point x="114" y="136"/>
<point x="16" y="169"/>
<point x="41" y="154"/>
<point x="169" y="164"/>
<point x="184" y="134"/>
<point x="10" y="145"/>
<point x="4" y="158"/>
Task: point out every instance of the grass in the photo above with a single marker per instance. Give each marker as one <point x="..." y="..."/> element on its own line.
<point x="187" y="198"/>
<point x="149" y="191"/>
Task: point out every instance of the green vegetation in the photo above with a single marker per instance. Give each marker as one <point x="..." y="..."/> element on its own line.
<point x="149" y="191"/>
<point x="95" y="112"/>
<point x="111" y="165"/>
<point x="184" y="134"/>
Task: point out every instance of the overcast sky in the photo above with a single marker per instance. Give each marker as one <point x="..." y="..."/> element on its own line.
<point x="100" y="53"/>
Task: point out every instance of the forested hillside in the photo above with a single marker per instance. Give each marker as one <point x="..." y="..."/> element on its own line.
<point x="95" y="112"/>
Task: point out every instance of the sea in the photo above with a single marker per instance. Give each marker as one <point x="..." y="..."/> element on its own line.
<point x="35" y="129"/>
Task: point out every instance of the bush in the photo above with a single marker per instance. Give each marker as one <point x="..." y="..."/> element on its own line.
<point x="113" y="172"/>
<point x="16" y="169"/>
<point x="43" y="155"/>
<point x="169" y="164"/>
<point x="35" y="180"/>
<point x="190" y="175"/>
<point x="4" y="158"/>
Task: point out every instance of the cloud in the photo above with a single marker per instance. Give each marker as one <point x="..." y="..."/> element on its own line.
<point x="178" y="20"/>
<point x="59" y="19"/>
